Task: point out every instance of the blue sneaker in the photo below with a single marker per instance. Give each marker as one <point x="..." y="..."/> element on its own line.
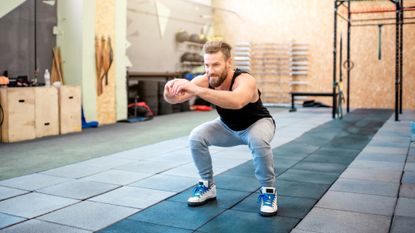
<point x="268" y="200"/>
<point x="202" y="193"/>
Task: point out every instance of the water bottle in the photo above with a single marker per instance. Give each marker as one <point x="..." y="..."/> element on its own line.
<point x="47" y="78"/>
<point x="413" y="131"/>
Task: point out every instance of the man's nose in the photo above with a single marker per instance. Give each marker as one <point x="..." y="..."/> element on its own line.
<point x="208" y="70"/>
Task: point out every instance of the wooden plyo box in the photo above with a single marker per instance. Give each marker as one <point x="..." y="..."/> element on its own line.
<point x="46" y="111"/>
<point x="70" y="109"/>
<point x="18" y="106"/>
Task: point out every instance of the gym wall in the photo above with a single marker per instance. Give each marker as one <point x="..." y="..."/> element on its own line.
<point x="311" y="21"/>
<point x="79" y="21"/>
<point x="152" y="27"/>
<point x="17" y="41"/>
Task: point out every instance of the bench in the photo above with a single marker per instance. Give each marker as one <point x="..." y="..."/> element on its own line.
<point x="294" y="94"/>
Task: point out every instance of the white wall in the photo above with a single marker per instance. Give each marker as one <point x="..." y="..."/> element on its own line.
<point x="76" y="26"/>
<point x="153" y="50"/>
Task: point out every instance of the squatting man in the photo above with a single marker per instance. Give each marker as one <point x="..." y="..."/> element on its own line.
<point x="242" y="120"/>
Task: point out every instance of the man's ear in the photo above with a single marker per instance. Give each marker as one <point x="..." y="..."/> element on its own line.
<point x="229" y="62"/>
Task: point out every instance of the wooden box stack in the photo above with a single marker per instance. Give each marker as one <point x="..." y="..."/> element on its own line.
<point x="33" y="112"/>
<point x="70" y="109"/>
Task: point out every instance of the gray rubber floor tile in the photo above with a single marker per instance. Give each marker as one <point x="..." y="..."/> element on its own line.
<point x="294" y="207"/>
<point x="133" y="197"/>
<point x="177" y="214"/>
<point x="37" y="226"/>
<point x="32" y="182"/>
<point x="74" y="171"/>
<point x="329" y="221"/>
<point x="166" y="183"/>
<point x="6" y="192"/>
<point x="78" y="189"/>
<point x="106" y="162"/>
<point x="362" y="203"/>
<point x="179" y="156"/>
<point x="368" y="164"/>
<point x="148" y="166"/>
<point x="408" y="177"/>
<point x="136" y="154"/>
<point x="241" y="222"/>
<point x="405" y="207"/>
<point x="407" y="190"/>
<point x="308" y="176"/>
<point x="402" y="224"/>
<point x="397" y="158"/>
<point x="387" y="150"/>
<point x="187" y="170"/>
<point x="295" y="230"/>
<point x="89" y="215"/>
<point x="7" y="220"/>
<point x="394" y="144"/>
<point x="238" y="183"/>
<point x="320" y="167"/>
<point x="224" y="198"/>
<point x="366" y="187"/>
<point x="301" y="189"/>
<point x="410" y="166"/>
<point x="117" y="177"/>
<point x="132" y="226"/>
<point x="372" y="174"/>
<point x="33" y="204"/>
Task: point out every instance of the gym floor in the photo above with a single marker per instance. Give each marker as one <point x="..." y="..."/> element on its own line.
<point x="350" y="175"/>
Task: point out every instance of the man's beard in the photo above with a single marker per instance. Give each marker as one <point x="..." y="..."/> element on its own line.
<point x="221" y="78"/>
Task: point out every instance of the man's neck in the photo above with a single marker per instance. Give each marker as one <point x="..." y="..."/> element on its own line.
<point x="227" y="83"/>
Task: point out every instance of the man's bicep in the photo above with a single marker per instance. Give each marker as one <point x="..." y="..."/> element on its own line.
<point x="246" y="89"/>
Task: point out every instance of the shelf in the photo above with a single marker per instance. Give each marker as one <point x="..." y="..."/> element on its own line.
<point x="190" y="43"/>
<point x="191" y="63"/>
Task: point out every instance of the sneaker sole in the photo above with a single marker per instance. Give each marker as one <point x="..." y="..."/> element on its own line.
<point x="194" y="204"/>
<point x="264" y="214"/>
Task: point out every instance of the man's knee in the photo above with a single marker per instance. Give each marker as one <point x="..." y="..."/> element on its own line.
<point x="258" y="143"/>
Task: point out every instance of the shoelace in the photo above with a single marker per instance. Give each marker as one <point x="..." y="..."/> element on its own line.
<point x="199" y="190"/>
<point x="266" y="198"/>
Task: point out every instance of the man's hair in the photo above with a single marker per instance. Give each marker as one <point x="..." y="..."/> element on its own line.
<point x="215" y="46"/>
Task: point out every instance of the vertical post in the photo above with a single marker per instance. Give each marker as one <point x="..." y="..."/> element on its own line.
<point x="35" y="73"/>
<point x="401" y="56"/>
<point x="334" y="59"/>
<point x="397" y="60"/>
<point x="349" y="26"/>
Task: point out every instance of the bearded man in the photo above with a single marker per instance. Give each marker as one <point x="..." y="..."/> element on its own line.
<point x="243" y="120"/>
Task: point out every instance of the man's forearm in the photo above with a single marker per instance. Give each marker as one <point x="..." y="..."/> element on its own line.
<point x="223" y="99"/>
<point x="176" y="98"/>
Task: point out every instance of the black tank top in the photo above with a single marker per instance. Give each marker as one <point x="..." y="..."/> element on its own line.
<point x="240" y="119"/>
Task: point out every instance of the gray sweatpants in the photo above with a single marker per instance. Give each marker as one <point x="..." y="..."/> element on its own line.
<point x="215" y="133"/>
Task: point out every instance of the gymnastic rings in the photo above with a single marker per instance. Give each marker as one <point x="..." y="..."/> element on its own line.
<point x="345" y="65"/>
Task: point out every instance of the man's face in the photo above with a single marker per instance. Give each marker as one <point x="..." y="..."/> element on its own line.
<point x="216" y="68"/>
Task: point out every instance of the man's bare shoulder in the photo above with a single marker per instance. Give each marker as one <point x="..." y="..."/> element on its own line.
<point x="245" y="77"/>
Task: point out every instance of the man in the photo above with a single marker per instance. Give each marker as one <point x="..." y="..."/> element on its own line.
<point x="243" y="120"/>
